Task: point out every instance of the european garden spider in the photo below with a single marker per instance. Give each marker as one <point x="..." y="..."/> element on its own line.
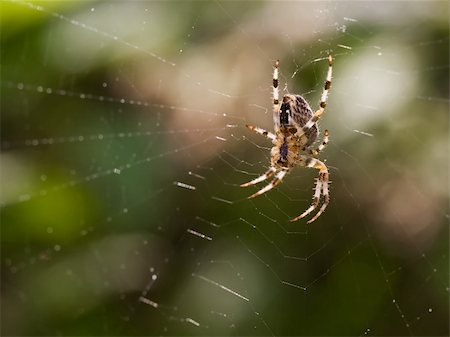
<point x="295" y="132"/>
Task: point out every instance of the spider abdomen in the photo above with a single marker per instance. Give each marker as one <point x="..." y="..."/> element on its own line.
<point x="296" y="111"/>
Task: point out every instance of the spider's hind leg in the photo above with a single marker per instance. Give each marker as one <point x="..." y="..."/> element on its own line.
<point x="326" y="138"/>
<point x="261" y="131"/>
<point x="276" y="96"/>
<point x="323" y="100"/>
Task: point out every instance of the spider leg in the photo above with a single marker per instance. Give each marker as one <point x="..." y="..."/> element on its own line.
<point x="261" y="131"/>
<point x="324" y="205"/>
<point x="320" y="148"/>
<point x="265" y="176"/>
<point x="320" y="189"/>
<point x="278" y="177"/>
<point x="276" y="97"/>
<point x="323" y="100"/>
<point x="314" y="204"/>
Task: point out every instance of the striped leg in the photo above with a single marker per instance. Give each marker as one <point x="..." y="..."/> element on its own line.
<point x="323" y="101"/>
<point x="261" y="131"/>
<point x="320" y="148"/>
<point x="265" y="176"/>
<point x="276" y="97"/>
<point x="278" y="177"/>
<point x="320" y="189"/>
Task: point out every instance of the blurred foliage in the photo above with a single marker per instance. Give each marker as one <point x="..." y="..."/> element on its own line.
<point x="90" y="206"/>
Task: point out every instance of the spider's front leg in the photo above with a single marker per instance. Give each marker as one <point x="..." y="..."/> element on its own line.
<point x="263" y="177"/>
<point x="320" y="189"/>
<point x="278" y="178"/>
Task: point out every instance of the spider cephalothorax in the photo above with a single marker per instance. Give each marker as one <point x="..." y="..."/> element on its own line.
<point x="296" y="131"/>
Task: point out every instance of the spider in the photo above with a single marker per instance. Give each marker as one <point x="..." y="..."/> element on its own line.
<point x="296" y="131"/>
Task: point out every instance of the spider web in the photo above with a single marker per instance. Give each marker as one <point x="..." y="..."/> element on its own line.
<point x="124" y="145"/>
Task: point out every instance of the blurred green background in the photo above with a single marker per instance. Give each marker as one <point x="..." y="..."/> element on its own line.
<point x="124" y="144"/>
